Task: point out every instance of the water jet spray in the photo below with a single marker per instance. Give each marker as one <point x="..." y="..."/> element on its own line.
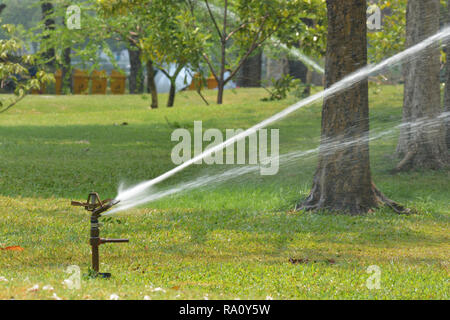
<point x="137" y="195"/>
<point x="96" y="206"/>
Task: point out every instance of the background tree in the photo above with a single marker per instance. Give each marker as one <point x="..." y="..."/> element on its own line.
<point x="343" y="179"/>
<point x="238" y="28"/>
<point x="169" y="37"/>
<point x="176" y="42"/>
<point x="74" y="47"/>
<point x="15" y="68"/>
<point x="130" y="29"/>
<point x="420" y="146"/>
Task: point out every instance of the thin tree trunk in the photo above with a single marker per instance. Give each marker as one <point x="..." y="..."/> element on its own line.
<point x="419" y="145"/>
<point x="136" y="84"/>
<point x="221" y="89"/>
<point x="47" y="10"/>
<point x="308" y="82"/>
<point x="151" y="85"/>
<point x="172" y="92"/>
<point x="66" y="71"/>
<point x="221" y="80"/>
<point x="343" y="181"/>
<point x="66" y="68"/>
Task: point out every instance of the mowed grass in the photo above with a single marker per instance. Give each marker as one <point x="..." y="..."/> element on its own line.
<point x="231" y="240"/>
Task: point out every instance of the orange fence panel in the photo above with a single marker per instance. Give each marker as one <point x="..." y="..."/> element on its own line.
<point x="80" y="82"/>
<point x="212" y="83"/>
<point x="118" y="82"/>
<point x="58" y="81"/>
<point x="197" y="82"/>
<point x="99" y="82"/>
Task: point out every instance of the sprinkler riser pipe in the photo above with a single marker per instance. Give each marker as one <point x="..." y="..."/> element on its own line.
<point x="95" y="242"/>
<point x="96" y="206"/>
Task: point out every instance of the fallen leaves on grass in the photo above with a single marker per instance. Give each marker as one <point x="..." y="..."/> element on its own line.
<point x="298" y="261"/>
<point x="13" y="248"/>
<point x="306" y="261"/>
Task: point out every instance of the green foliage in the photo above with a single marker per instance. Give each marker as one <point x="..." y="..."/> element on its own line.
<point x="307" y="29"/>
<point x="391" y="39"/>
<point x="20" y="12"/>
<point x="163" y="30"/>
<point x="15" y="66"/>
<point x="85" y="43"/>
<point x="280" y="88"/>
<point x="174" y="37"/>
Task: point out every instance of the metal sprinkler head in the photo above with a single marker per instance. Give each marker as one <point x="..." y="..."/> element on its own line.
<point x="96" y="206"/>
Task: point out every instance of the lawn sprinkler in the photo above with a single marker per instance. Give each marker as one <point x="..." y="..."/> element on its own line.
<point x="97" y="207"/>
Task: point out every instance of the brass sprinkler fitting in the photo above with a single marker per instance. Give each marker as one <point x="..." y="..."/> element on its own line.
<point x="96" y="206"/>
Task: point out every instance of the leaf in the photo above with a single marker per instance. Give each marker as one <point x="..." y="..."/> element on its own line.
<point x="13" y="248"/>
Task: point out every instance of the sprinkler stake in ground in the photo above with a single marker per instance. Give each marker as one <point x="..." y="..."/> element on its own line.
<point x="96" y="206"/>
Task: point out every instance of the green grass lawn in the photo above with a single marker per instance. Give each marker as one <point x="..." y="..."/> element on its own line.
<point x="231" y="240"/>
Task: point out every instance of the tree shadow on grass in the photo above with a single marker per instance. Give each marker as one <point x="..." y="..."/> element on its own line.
<point x="70" y="161"/>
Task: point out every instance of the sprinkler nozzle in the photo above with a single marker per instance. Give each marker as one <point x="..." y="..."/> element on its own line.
<point x="96" y="206"/>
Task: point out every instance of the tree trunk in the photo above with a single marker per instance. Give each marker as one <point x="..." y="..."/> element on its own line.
<point x="172" y="93"/>
<point x="2" y="7"/>
<point x="66" y="68"/>
<point x="221" y="89"/>
<point x="343" y="181"/>
<point x="66" y="71"/>
<point x="447" y="84"/>
<point x="47" y="10"/>
<point x="136" y="84"/>
<point x="151" y="85"/>
<point x="421" y="146"/>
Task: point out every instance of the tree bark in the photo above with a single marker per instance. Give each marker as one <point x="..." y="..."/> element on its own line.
<point x="447" y="84"/>
<point x="221" y="89"/>
<point x="151" y="85"/>
<point x="66" y="71"/>
<point x="136" y="84"/>
<point x="419" y="145"/>
<point x="47" y="10"/>
<point x="172" y="92"/>
<point x="343" y="182"/>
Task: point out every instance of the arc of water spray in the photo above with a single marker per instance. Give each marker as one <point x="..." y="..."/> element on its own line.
<point x="300" y="56"/>
<point x="328" y="146"/>
<point x="343" y="84"/>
